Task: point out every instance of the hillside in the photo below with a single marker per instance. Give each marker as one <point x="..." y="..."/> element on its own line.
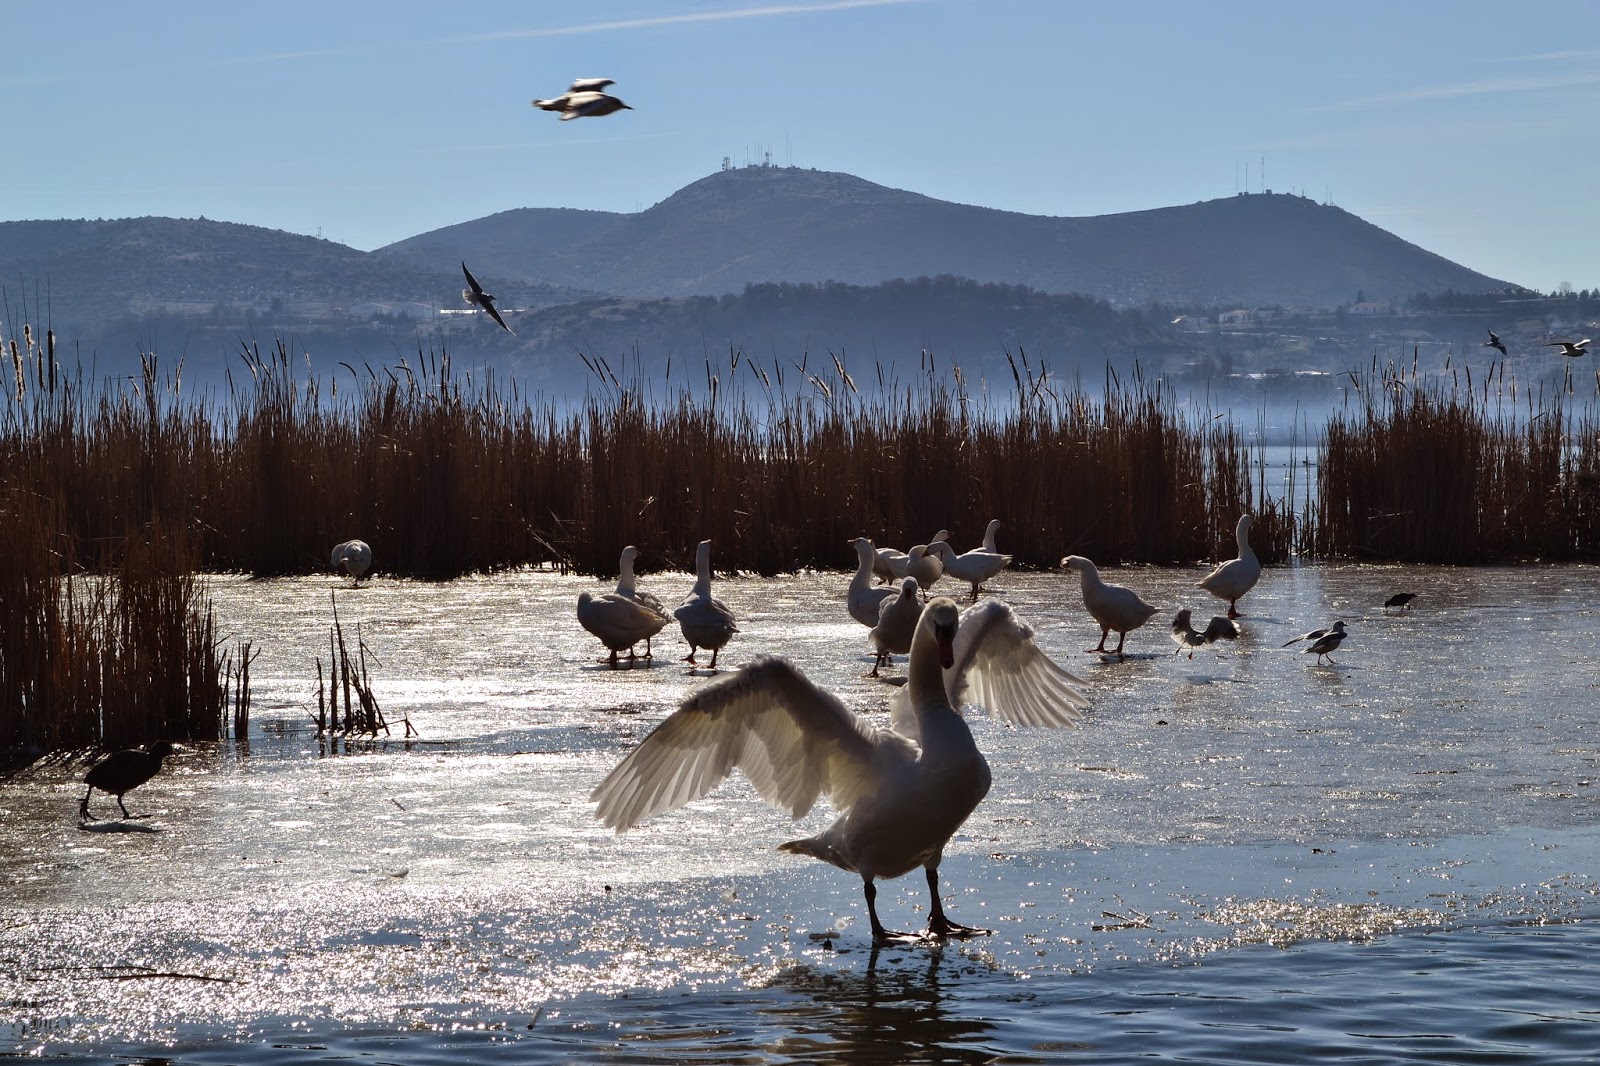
<point x="100" y="271"/>
<point x="768" y="224"/>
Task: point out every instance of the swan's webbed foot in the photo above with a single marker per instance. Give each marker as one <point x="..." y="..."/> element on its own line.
<point x="943" y="928"/>
<point x="1233" y="612"/>
<point x="940" y="927"/>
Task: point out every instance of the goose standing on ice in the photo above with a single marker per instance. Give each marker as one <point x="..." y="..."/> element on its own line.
<point x="892" y="563"/>
<point x="897" y="624"/>
<point x="627" y="585"/>
<point x="901" y="793"/>
<point x="976" y="566"/>
<point x="864" y="598"/>
<point x="622" y="618"/>
<point x="705" y="620"/>
<point x="353" y="557"/>
<point x="1234" y="578"/>
<point x="1187" y="639"/>
<point x="1113" y="606"/>
<point x="924" y="566"/>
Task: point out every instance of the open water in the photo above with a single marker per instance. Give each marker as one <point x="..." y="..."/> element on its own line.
<point x="1244" y="857"/>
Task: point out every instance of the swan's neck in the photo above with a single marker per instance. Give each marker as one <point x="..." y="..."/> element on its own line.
<point x="702" y="567"/>
<point x="1242" y="536"/>
<point x="863" y="578"/>
<point x="625" y="579"/>
<point x="988" y="537"/>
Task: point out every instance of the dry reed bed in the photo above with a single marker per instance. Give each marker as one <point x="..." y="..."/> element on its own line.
<point x="1420" y="470"/>
<point x="144" y="486"/>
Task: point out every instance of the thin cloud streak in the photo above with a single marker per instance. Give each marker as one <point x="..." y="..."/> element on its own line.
<point x="653" y="21"/>
<point x="1490" y="87"/>
<point x="648" y="22"/>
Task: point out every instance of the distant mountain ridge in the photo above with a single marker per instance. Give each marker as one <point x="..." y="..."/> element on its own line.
<point x="114" y="281"/>
<point x="785" y="224"/>
<point x="92" y="272"/>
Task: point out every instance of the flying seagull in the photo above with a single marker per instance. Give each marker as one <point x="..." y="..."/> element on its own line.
<point x="1494" y="342"/>
<point x="1570" y="348"/>
<point x="1184" y="636"/>
<point x="584" y="100"/>
<point x="477" y="297"/>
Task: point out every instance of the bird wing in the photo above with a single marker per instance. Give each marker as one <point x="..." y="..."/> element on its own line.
<point x="476" y="288"/>
<point x="584" y="85"/>
<point x="1220" y="627"/>
<point x="488" y="306"/>
<point x="793" y="740"/>
<point x="999" y="667"/>
<point x="1313" y="635"/>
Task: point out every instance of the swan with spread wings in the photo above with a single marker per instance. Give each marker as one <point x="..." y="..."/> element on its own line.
<point x="901" y="792"/>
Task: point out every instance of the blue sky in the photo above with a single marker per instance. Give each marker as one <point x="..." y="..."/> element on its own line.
<point x="1470" y="128"/>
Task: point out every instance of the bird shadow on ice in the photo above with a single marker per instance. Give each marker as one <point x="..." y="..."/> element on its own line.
<point x="1104" y="658"/>
<point x="602" y="666"/>
<point x="118" y="827"/>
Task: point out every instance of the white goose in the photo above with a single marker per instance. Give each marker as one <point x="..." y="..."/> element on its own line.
<point x="924" y="566"/>
<point x="705" y="620"/>
<point x="1234" y="578"/>
<point x="891" y="563"/>
<point x="627" y="586"/>
<point x="618" y="621"/>
<point x="897" y="624"/>
<point x="976" y="566"/>
<point x="354" y="557"/>
<point x="901" y="792"/>
<point x="1113" y="606"/>
<point x="864" y="598"/>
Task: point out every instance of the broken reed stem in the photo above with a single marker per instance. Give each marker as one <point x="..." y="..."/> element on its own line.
<point x="348" y="675"/>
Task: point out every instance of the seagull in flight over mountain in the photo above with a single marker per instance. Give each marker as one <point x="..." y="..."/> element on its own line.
<point x="478" y="298"/>
<point x="1570" y="348"/>
<point x="585" y="99"/>
<point x="1494" y="342"/>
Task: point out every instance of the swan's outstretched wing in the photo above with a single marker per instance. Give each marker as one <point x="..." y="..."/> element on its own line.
<point x="998" y="667"/>
<point x="793" y="740"/>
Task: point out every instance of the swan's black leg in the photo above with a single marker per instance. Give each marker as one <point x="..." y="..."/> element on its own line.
<point x="938" y="923"/>
<point x="880" y="935"/>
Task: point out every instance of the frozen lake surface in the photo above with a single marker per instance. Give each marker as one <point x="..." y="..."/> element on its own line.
<point x="1243" y="857"/>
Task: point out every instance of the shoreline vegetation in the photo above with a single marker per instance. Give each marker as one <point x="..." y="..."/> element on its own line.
<point x="115" y="494"/>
